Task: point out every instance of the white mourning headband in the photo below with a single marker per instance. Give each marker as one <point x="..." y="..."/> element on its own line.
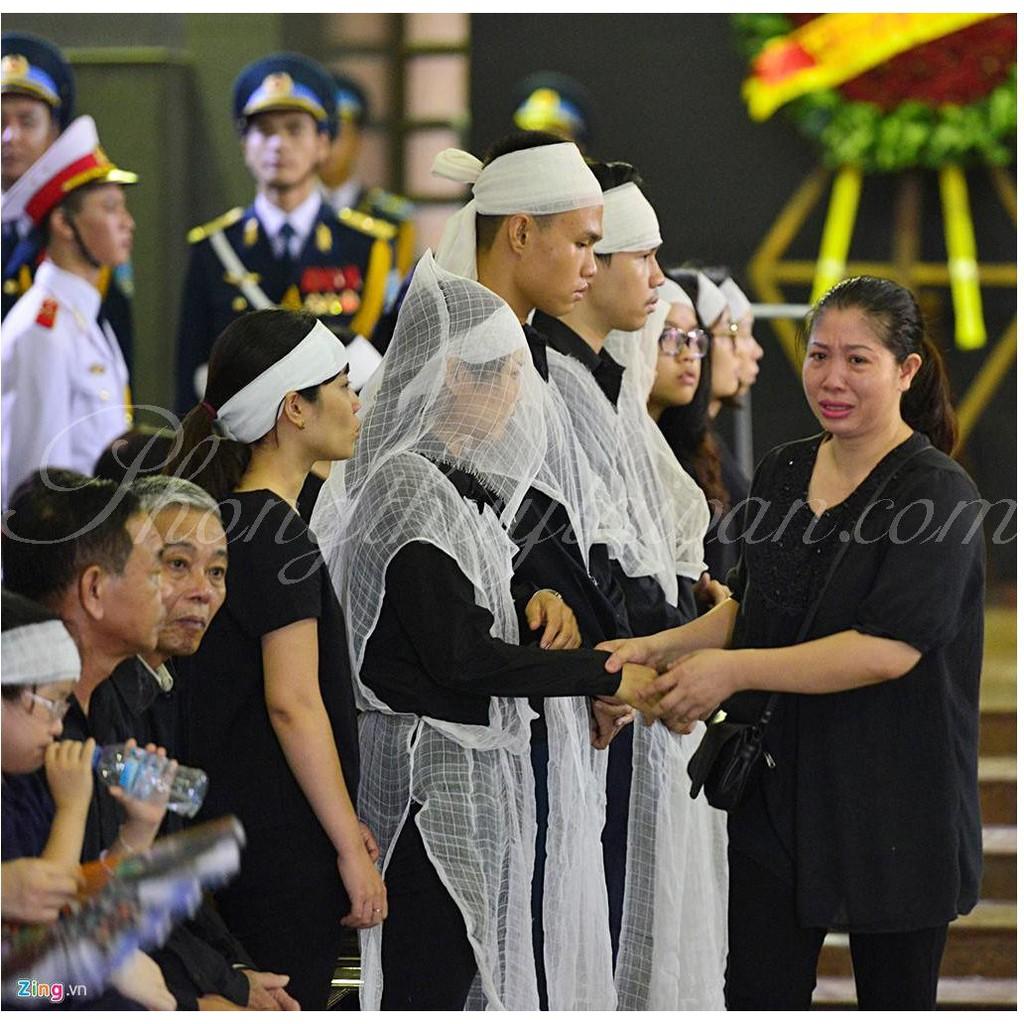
<point x="539" y="181"/>
<point x="39" y="653"/>
<point x="630" y="223"/>
<point x="739" y="304"/>
<point x="710" y="300"/>
<point x="674" y="293"/>
<point x="252" y="412"/>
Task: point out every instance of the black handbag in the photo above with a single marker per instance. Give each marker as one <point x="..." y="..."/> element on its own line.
<point x="727" y="756"/>
<point x="730" y="753"/>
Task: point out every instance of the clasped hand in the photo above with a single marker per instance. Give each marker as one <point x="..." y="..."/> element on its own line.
<point x="680" y="693"/>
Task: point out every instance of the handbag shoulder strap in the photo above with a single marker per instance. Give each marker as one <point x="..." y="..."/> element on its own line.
<point x="844" y="545"/>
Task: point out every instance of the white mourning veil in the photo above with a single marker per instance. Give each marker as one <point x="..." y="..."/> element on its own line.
<point x="673" y="939"/>
<point x="458" y="386"/>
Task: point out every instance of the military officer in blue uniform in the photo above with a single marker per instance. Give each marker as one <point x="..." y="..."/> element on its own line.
<point x="37" y="94"/>
<point x="342" y="185"/>
<point x="289" y="247"/>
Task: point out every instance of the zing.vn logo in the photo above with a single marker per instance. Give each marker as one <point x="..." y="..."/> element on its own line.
<point x="55" y="991"/>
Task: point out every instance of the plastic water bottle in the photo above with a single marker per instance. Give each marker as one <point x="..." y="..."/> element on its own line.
<point x="148" y="776"/>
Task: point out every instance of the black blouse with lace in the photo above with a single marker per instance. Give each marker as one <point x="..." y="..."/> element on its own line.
<point x="871" y="810"/>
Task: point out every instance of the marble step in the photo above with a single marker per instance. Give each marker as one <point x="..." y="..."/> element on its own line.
<point x="954" y="994"/>
<point x="997" y="781"/>
<point x="999" y="879"/>
<point x="984" y="943"/>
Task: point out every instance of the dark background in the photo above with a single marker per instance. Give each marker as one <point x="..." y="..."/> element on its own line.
<point x="666" y="91"/>
<point x="666" y="97"/>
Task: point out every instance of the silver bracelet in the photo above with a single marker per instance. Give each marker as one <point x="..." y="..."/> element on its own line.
<point x="554" y="593"/>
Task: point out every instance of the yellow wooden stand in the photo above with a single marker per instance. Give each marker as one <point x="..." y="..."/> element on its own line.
<point x="769" y="269"/>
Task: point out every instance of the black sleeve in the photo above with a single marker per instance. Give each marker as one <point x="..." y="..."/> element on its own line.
<point x="522" y="592"/>
<point x="436" y="607"/>
<point x="213" y="930"/>
<point x="934" y="552"/>
<point x="273" y="577"/>
<point x="192" y="967"/>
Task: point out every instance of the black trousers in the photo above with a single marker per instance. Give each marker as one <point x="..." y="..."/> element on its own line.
<point x="616" y="829"/>
<point x="426" y="957"/>
<point x="773" y="961"/>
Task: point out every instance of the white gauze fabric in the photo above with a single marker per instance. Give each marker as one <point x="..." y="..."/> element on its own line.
<point x="672" y="945"/>
<point x="252" y="412"/>
<point x="680" y="504"/>
<point x="674" y="926"/>
<point x="710" y="300"/>
<point x="674" y="938"/>
<point x="538" y="181"/>
<point x="38" y="654"/>
<point x="614" y="442"/>
<point x="630" y="223"/>
<point x="673" y="293"/>
<point x="457" y="385"/>
<point x="739" y="304"/>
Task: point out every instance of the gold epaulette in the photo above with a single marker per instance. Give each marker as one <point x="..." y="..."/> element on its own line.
<point x="225" y="220"/>
<point x="389" y="205"/>
<point x="372" y="226"/>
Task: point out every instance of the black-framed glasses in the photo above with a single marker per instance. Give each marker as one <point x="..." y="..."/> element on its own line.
<point x="673" y="339"/>
<point x="55" y="709"/>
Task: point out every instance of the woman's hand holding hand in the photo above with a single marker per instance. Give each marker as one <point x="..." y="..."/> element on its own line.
<point x="694" y="686"/>
<point x="639" y="650"/>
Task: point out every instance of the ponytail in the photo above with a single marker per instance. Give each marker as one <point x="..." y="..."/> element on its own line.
<point x="209" y="460"/>
<point x="928" y="405"/>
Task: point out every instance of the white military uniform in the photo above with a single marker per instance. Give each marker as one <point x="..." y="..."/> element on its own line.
<point x="64" y="381"/>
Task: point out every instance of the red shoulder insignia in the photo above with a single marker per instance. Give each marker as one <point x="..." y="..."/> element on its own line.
<point x="47" y="313"/>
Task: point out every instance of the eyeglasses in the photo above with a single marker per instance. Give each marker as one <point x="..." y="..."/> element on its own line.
<point x="56" y="709"/>
<point x="672" y="339"/>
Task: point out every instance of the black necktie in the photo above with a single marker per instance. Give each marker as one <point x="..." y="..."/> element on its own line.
<point x="284" y="248"/>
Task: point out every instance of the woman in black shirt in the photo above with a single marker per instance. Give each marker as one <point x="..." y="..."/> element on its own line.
<point x="864" y="816"/>
<point x="271" y="710"/>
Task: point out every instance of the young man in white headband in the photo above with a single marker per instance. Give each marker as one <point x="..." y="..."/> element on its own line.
<point x="656" y="560"/>
<point x="623" y="293"/>
<point x="528" y="235"/>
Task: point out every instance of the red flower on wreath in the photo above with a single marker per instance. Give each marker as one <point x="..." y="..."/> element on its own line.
<point x="960" y="68"/>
